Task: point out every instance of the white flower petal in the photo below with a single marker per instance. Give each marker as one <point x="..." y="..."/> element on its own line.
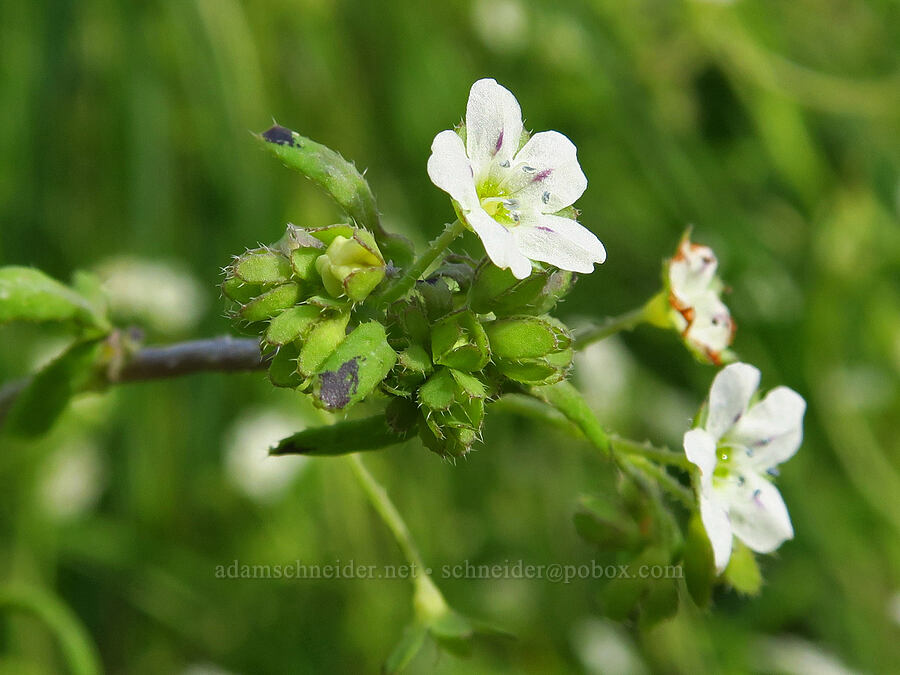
<point x="700" y="448"/>
<point x="559" y="241"/>
<point x="691" y="272"/>
<point x="450" y="169"/>
<point x="711" y="327"/>
<point x="493" y="124"/>
<point x="772" y="430"/>
<point x="499" y="243"/>
<point x="758" y="515"/>
<point x="545" y="174"/>
<point x="729" y="397"/>
<point x="718" y="529"/>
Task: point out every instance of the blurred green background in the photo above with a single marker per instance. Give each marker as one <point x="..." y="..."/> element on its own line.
<point x="770" y="126"/>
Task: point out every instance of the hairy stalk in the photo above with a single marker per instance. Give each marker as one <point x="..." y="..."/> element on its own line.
<point x="405" y="283"/>
<point x="567" y="400"/>
<point x="664" y="480"/>
<point x="647" y="451"/>
<point x="388" y="512"/>
<point x="429" y="602"/>
<point x="611" y="326"/>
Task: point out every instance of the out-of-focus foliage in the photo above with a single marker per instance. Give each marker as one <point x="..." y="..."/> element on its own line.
<point x="770" y="126"/>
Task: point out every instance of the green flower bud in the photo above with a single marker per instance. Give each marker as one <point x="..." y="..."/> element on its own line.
<point x="351" y="266"/>
<point x="531" y="349"/>
<point x="459" y="341"/>
<point x="413" y="366"/>
<point x="452" y="407"/>
<point x="408" y="323"/>
<point x="355" y="368"/>
<point x="497" y="290"/>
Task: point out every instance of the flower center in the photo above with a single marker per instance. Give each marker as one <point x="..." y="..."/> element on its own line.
<point x="498" y="205"/>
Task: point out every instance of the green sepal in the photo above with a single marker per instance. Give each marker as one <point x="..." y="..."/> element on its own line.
<point x="497" y="290"/>
<point x="699" y="563"/>
<point x="742" y="573"/>
<point x="437" y="296"/>
<point x="452" y="407"/>
<point x="408" y="324"/>
<point x="283" y="368"/>
<point x="235" y="288"/>
<point x="321" y="341"/>
<point x="303" y="262"/>
<point x="531" y="349"/>
<point x="270" y="303"/>
<point x="291" y="324"/>
<point x="262" y="266"/>
<point x="343" y="438"/>
<point x="355" y="369"/>
<point x="459" y="341"/>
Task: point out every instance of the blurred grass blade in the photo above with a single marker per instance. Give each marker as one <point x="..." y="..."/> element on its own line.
<point x="77" y="647"/>
<point x="45" y="398"/>
<point x="371" y="433"/>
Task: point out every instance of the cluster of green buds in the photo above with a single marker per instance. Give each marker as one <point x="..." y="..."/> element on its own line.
<point x="460" y="337"/>
<point x="299" y="296"/>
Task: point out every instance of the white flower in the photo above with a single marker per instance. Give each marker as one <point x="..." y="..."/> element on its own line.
<point x="699" y="313"/>
<point x="737" y="450"/>
<point x="508" y="195"/>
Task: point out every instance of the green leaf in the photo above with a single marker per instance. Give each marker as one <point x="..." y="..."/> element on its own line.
<point x="27" y="294"/>
<point x="45" y="398"/>
<point x="371" y="433"/>
<point x="699" y="564"/>
<point x="743" y="572"/>
<point x="341" y="180"/>
<point x="409" y="645"/>
<point x="356" y="368"/>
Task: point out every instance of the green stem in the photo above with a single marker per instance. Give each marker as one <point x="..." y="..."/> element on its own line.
<point x="74" y="641"/>
<point x="388" y="512"/>
<point x="664" y="480"/>
<point x="611" y="326"/>
<point x="405" y="283"/>
<point x="569" y="401"/>
<point x="660" y="455"/>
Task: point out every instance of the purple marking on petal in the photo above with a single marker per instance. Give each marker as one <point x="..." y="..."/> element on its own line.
<point x="541" y="175"/>
<point x="544" y="228"/>
<point x="499" y="142"/>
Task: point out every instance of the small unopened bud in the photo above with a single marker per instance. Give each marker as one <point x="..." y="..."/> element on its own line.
<point x="531" y="349"/>
<point x="351" y="266"/>
<point x="459" y="341"/>
<point x="497" y="290"/>
<point x="452" y="406"/>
